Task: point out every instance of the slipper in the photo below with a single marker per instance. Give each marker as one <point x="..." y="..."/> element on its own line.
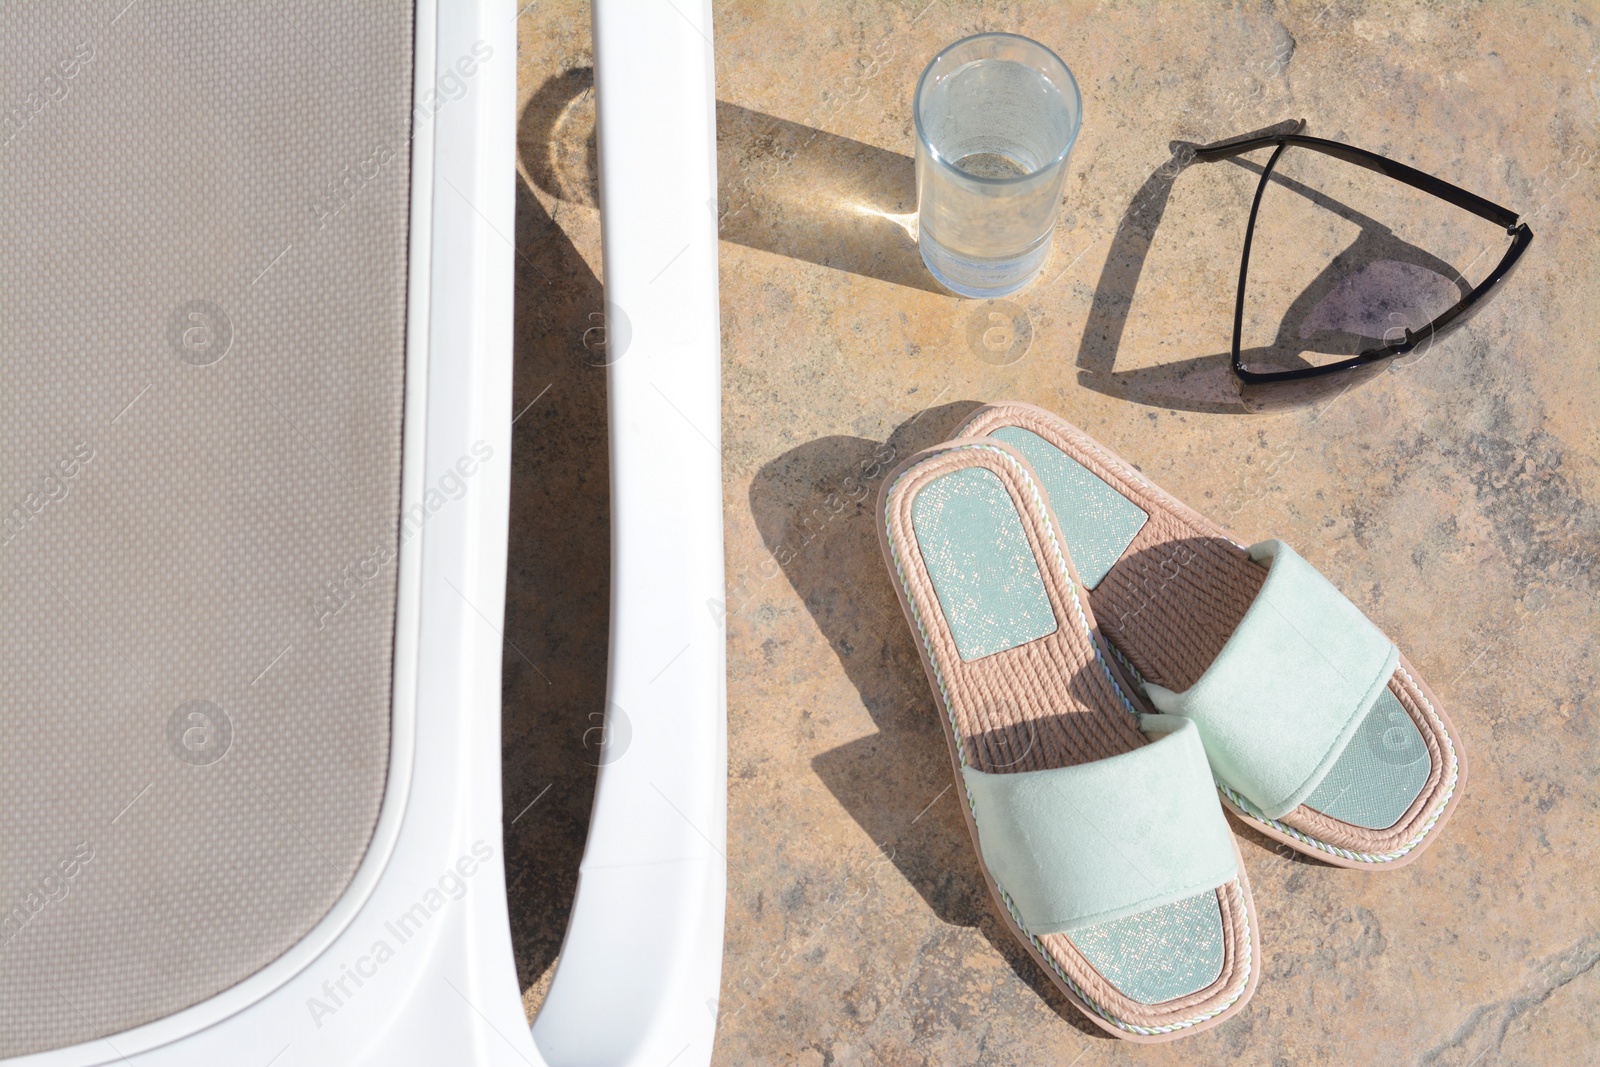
<point x="1099" y="830"/>
<point x="1321" y="734"/>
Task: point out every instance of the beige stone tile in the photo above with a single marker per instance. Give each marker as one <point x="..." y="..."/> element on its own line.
<point x="1453" y="500"/>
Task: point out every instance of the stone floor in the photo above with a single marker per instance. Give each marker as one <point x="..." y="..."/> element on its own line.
<point x="1456" y="500"/>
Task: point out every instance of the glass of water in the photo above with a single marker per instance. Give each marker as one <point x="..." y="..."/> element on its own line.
<point x="997" y="116"/>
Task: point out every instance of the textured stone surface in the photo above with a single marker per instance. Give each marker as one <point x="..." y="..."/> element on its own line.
<point x="1454" y="500"/>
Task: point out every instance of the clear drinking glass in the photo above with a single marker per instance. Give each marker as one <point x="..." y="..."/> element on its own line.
<point x="997" y="116"/>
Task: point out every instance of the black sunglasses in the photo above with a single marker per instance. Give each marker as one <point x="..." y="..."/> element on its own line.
<point x="1368" y="362"/>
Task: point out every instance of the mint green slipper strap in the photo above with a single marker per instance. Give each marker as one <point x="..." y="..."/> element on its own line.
<point x="1289" y="689"/>
<point x="1075" y="846"/>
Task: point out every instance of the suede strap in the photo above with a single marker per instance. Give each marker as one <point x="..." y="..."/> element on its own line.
<point x="1286" y="693"/>
<point x="1085" y="844"/>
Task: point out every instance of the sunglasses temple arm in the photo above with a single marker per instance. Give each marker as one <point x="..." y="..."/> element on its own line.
<point x="1452" y="194"/>
<point x="1238" y="146"/>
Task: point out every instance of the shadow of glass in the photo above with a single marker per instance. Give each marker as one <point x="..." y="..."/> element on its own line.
<point x="783" y="188"/>
<point x="815" y="507"/>
<point x="557" y="587"/>
<point x="1374" y="289"/>
<point x="556" y="141"/>
<point x="796" y="191"/>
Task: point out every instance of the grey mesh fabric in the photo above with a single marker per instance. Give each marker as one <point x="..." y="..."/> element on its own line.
<point x="1379" y="773"/>
<point x="203" y="236"/>
<point x="985" y="576"/>
<point x="1098" y="522"/>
